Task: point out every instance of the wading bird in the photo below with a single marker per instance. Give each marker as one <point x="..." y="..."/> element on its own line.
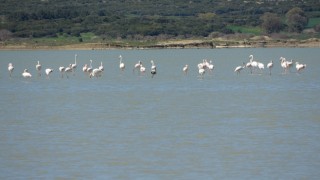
<point x="185" y="69"/>
<point x="61" y="69"/>
<point x="10" y="68"/>
<point x="121" y="64"/>
<point x="239" y="68"/>
<point x="74" y="66"/>
<point x="270" y="66"/>
<point x="26" y="74"/>
<point x="153" y="69"/>
<point x="48" y="71"/>
<point x="299" y="66"/>
<point x="38" y="67"/>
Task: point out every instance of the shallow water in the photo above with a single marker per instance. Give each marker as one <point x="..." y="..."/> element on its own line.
<point x="173" y="126"/>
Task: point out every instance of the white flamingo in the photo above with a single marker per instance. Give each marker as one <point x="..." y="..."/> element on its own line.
<point x="261" y="66"/>
<point x="121" y="64"/>
<point x="210" y="66"/>
<point x="205" y="63"/>
<point x="290" y="64"/>
<point x="84" y="68"/>
<point x="270" y="66"/>
<point x="284" y="64"/>
<point x="26" y="74"/>
<point x="185" y="69"/>
<point x="38" y="67"/>
<point x="142" y="69"/>
<point x="74" y="66"/>
<point x="137" y="66"/>
<point x="238" y="69"/>
<point x="68" y="70"/>
<point x="101" y="67"/>
<point x="202" y="72"/>
<point x="89" y="69"/>
<point x="254" y="64"/>
<point x="61" y="69"/>
<point x="153" y="69"/>
<point x="48" y="71"/>
<point x="96" y="73"/>
<point x="299" y="66"/>
<point x="10" y="68"/>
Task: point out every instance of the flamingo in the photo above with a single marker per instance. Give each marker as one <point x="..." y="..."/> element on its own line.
<point x="284" y="64"/>
<point x="101" y="67"/>
<point x="153" y="68"/>
<point x="96" y="73"/>
<point x="239" y="68"/>
<point x="74" y="66"/>
<point x="68" y="70"/>
<point x="89" y="69"/>
<point x="299" y="66"/>
<point x="10" y="68"/>
<point x="254" y="64"/>
<point x="121" y="65"/>
<point x="85" y="67"/>
<point x="48" y="71"/>
<point x="205" y="63"/>
<point x="201" y="66"/>
<point x="261" y="66"/>
<point x="201" y="72"/>
<point x="142" y="69"/>
<point x="185" y="69"/>
<point x="26" y="74"/>
<point x="38" y="67"/>
<point x="61" y="69"/>
<point x="137" y="66"/>
<point x="290" y="64"/>
<point x="269" y="66"/>
<point x="210" y="66"/>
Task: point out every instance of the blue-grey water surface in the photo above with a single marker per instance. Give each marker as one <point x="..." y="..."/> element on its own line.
<point x="173" y="126"/>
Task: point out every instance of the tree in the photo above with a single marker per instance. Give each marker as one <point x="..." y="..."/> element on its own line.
<point x="271" y="22"/>
<point x="296" y="20"/>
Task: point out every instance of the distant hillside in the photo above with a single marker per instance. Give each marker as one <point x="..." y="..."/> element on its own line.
<point x="138" y="19"/>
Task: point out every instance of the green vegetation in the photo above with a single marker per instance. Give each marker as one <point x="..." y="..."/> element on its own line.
<point x="57" y="22"/>
<point x="313" y="22"/>
<point x="246" y="29"/>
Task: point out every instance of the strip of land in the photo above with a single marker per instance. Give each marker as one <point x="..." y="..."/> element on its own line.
<point x="259" y="41"/>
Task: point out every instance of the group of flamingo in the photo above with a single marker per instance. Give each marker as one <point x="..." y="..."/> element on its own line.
<point x="88" y="69"/>
<point x="203" y="66"/>
<point x="254" y="65"/>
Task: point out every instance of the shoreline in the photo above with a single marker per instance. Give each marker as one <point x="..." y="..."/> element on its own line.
<point x="174" y="44"/>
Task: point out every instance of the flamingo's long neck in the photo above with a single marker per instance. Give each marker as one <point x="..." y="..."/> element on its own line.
<point x="75" y="59"/>
<point x="251" y="58"/>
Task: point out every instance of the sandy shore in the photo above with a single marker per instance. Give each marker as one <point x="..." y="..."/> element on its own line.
<point x="216" y="43"/>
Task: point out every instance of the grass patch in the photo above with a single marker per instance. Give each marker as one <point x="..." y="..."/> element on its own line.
<point x="88" y="36"/>
<point x="313" y="22"/>
<point x="246" y="29"/>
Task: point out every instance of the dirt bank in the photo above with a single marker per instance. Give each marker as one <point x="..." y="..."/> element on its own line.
<point x="213" y="43"/>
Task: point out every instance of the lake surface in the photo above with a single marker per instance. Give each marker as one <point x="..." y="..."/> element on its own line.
<point x="173" y="126"/>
